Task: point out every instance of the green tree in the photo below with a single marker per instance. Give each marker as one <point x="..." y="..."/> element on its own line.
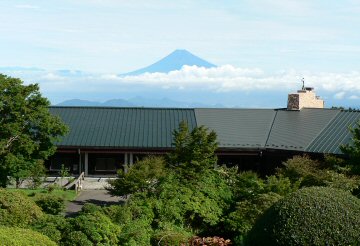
<point x="353" y="150"/>
<point x="194" y="150"/>
<point x="144" y="175"/>
<point x="27" y="129"/>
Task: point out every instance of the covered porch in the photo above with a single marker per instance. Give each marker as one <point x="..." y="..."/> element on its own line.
<point x="96" y="163"/>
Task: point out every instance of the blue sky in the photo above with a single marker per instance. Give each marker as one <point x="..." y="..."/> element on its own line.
<point x="279" y="40"/>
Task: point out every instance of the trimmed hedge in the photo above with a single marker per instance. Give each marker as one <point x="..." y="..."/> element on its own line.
<point x="310" y="216"/>
<point x="16" y="209"/>
<point x="49" y="203"/>
<point x="95" y="228"/>
<point x="11" y="236"/>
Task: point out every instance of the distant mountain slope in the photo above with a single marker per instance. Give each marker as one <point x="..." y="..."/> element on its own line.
<point x="79" y="102"/>
<point x="109" y="103"/>
<point x="173" y="61"/>
<point x="138" y="102"/>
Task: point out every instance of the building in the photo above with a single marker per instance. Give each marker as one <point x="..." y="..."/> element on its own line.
<point x="104" y="139"/>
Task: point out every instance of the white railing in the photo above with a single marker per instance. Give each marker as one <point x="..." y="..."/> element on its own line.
<point x="78" y="183"/>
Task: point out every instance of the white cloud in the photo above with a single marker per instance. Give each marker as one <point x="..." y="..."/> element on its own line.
<point x="52" y="77"/>
<point x="225" y="78"/>
<point x="354" y="97"/>
<point x="230" y="78"/>
<point x="339" y="95"/>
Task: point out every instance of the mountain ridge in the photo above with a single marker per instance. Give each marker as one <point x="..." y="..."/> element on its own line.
<point x="138" y="102"/>
<point x="174" y="61"/>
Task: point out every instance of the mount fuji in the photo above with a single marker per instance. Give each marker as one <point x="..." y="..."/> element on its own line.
<point x="173" y="61"/>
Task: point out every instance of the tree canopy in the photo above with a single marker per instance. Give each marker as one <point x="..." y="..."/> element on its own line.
<point x="353" y="150"/>
<point x="194" y="150"/>
<point x="27" y="129"/>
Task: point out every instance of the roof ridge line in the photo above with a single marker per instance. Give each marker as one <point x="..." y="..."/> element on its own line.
<point x="323" y="129"/>
<point x="272" y="124"/>
<point x="114" y="107"/>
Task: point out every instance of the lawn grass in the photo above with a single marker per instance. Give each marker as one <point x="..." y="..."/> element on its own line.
<point x="67" y="195"/>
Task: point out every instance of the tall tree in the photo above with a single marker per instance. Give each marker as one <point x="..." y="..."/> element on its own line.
<point x="27" y="129"/>
<point x="194" y="150"/>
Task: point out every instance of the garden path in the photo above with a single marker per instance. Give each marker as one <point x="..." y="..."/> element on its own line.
<point x="97" y="197"/>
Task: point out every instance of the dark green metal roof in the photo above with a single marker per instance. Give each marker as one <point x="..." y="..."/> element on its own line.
<point x="238" y="128"/>
<point x="307" y="130"/>
<point x="335" y="134"/>
<point x="122" y="127"/>
<point x="295" y="130"/>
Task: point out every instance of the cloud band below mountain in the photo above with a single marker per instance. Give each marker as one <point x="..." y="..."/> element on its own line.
<point x="222" y="79"/>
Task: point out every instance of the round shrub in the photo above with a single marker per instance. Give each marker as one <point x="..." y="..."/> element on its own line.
<point x="23" y="237"/>
<point x="310" y="216"/>
<point x="77" y="238"/>
<point x="16" y="209"/>
<point x="50" y="204"/>
<point x="97" y="228"/>
<point x="52" y="226"/>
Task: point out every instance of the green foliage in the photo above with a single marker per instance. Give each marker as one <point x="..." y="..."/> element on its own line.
<point x="90" y="208"/>
<point x="27" y="129"/>
<point x="77" y="238"/>
<point x="239" y="222"/>
<point x="254" y="197"/>
<point x="170" y="234"/>
<point x="144" y="175"/>
<point x="97" y="227"/>
<point x="49" y="203"/>
<point x="136" y="218"/>
<point x="353" y="150"/>
<point x="52" y="226"/>
<point x="17" y="209"/>
<point x="37" y="174"/>
<point x="310" y="216"/>
<point x="64" y="172"/>
<point x="11" y="236"/>
<point x="310" y="172"/>
<point x="199" y="204"/>
<point x="194" y="151"/>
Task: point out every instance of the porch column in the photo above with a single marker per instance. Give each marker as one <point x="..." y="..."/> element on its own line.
<point x="126" y="162"/>
<point x="79" y="168"/>
<point x="86" y="163"/>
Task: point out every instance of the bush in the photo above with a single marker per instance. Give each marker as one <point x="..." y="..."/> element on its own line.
<point x="77" y="238"/>
<point x="142" y="176"/>
<point x="50" y="204"/>
<point x="310" y="216"/>
<point x="23" y="237"/>
<point x="16" y="209"/>
<point x="310" y="172"/>
<point x="90" y="208"/>
<point x="97" y="228"/>
<point x="170" y="234"/>
<point x="52" y="226"/>
<point x="135" y="218"/>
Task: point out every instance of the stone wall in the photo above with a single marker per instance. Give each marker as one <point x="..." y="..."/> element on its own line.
<point x="304" y="99"/>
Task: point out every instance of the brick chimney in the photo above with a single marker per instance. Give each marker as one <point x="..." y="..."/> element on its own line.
<point x="304" y="98"/>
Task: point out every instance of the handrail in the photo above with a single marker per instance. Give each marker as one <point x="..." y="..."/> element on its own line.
<point x="78" y="183"/>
